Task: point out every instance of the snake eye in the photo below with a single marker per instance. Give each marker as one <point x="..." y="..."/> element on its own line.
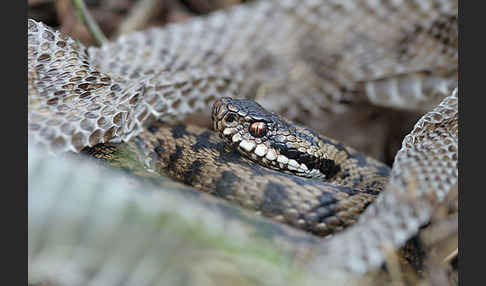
<point x="258" y="129"/>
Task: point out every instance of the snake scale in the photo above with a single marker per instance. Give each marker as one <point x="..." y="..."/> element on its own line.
<point x="294" y="58"/>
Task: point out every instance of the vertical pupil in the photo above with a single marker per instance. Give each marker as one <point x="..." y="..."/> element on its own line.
<point x="258" y="129"/>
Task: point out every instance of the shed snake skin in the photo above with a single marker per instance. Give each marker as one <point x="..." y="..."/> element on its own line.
<point x="309" y="57"/>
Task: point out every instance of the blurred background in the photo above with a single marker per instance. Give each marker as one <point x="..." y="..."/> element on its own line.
<point x="117" y="17"/>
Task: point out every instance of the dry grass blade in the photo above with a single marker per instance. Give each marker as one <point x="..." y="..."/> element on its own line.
<point x="88" y="20"/>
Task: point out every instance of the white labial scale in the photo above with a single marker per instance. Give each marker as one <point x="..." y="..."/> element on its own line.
<point x="293" y="163"/>
<point x="282" y="159"/>
<point x="261" y="150"/>
<point x="236" y="137"/>
<point x="247" y="145"/>
<point x="228" y="131"/>
<point x="271" y="155"/>
<point x="314" y="172"/>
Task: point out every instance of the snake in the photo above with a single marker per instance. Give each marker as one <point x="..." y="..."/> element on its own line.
<point x="284" y="171"/>
<point x="402" y="55"/>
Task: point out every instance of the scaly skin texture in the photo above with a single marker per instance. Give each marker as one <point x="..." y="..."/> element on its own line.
<point x="295" y="59"/>
<point x="199" y="158"/>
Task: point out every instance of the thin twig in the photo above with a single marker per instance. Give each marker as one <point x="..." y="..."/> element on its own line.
<point x="88" y="20"/>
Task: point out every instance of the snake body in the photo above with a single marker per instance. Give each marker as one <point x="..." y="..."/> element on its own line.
<point x="324" y="59"/>
<point x="343" y="182"/>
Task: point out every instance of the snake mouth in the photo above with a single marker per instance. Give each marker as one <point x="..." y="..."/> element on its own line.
<point x="262" y="137"/>
<point x="265" y="155"/>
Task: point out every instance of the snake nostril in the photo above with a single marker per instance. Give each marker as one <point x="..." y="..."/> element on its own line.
<point x="230" y="118"/>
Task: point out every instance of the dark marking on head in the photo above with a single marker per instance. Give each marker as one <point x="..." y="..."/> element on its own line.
<point x="250" y="108"/>
<point x="193" y="172"/>
<point x="310" y="161"/>
<point x="233" y="157"/>
<point x="290" y="153"/>
<point x="326" y="166"/>
<point x="274" y="199"/>
<point x="329" y="168"/>
<point x="225" y="185"/>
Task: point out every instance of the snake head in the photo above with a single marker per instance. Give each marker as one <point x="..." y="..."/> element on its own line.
<point x="269" y="140"/>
